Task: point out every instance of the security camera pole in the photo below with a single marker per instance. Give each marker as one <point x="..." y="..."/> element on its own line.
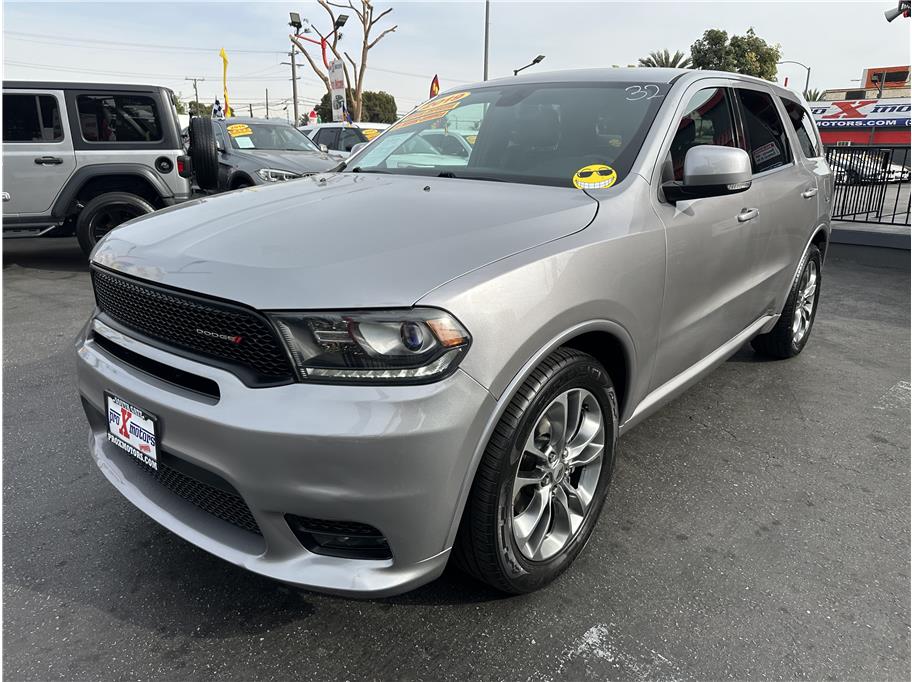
<point x="532" y="63"/>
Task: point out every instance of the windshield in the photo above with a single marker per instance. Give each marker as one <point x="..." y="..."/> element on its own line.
<point x="576" y="134"/>
<point x="275" y="136"/>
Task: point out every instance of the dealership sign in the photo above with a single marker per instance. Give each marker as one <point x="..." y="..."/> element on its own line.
<point x="862" y="113"/>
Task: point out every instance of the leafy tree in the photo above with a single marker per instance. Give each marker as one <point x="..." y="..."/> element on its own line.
<point x="813" y="95"/>
<point x="678" y="60"/>
<point x="199" y="109"/>
<point x="748" y="54"/>
<point x="377" y="107"/>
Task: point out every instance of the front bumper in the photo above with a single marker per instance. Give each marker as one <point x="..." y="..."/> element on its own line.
<point x="393" y="457"/>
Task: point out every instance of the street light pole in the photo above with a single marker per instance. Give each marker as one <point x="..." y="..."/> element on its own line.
<point x="295" y="23"/>
<point x="807" y="80"/>
<point x="486" y="28"/>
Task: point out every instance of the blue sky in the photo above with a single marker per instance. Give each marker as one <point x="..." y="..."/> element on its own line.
<point x="91" y="41"/>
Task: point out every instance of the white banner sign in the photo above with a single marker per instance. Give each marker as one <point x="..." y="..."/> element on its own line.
<point x="862" y="113"/>
<point x="337" y="87"/>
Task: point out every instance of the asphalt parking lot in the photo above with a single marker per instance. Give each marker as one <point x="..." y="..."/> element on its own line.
<point x="758" y="527"/>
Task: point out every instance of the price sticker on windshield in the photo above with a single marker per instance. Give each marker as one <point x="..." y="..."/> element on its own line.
<point x="239" y="130"/>
<point x="436" y="108"/>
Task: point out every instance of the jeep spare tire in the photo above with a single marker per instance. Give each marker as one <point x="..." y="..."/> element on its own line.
<point x="203" y="153"/>
<point x="105" y="212"/>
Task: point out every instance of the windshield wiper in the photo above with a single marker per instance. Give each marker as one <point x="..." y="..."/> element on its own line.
<point x="358" y="169"/>
<point x="451" y="174"/>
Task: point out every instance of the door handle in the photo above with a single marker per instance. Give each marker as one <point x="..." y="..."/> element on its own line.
<point x="808" y="193"/>
<point x="48" y="160"/>
<point x="748" y="214"/>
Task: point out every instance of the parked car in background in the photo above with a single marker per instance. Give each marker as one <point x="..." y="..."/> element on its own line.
<point x="410" y="363"/>
<point x="339" y="138"/>
<point x="240" y="152"/>
<point x="81" y="158"/>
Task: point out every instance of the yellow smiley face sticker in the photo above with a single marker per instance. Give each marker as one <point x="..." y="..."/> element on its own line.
<point x="596" y="176"/>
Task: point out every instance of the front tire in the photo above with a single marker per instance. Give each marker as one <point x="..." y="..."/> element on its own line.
<point x="542" y="481"/>
<point x="792" y="331"/>
<point x="105" y="212"/>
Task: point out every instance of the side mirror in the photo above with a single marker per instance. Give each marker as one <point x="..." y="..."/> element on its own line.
<point x="710" y="171"/>
<point x="358" y="147"/>
<point x="324" y="148"/>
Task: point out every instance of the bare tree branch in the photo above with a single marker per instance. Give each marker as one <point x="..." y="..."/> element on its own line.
<point x="364" y="10"/>
<point x="379" y="16"/>
<point x="377" y="39"/>
<point x="313" y="65"/>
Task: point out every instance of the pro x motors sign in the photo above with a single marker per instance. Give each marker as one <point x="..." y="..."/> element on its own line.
<point x="862" y="113"/>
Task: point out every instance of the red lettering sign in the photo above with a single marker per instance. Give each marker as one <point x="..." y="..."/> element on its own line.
<point x="850" y="109"/>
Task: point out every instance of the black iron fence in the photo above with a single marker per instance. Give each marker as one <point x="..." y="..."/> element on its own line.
<point x="872" y="184"/>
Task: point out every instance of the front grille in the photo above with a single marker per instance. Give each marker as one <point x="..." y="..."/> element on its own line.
<point x="225" y="504"/>
<point x="191" y="324"/>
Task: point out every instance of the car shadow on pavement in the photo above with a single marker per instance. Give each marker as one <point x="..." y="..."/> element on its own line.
<point x="58" y="254"/>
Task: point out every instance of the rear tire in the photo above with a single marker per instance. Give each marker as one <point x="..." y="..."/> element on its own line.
<point x="203" y="153"/>
<point x="527" y="467"/>
<point x="792" y="331"/>
<point x="105" y="212"/>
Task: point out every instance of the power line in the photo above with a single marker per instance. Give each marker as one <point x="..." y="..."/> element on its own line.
<point x="104" y="44"/>
<point x="160" y="76"/>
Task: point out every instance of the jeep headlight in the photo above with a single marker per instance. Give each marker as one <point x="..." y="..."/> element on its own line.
<point x="275" y="175"/>
<point x="397" y="346"/>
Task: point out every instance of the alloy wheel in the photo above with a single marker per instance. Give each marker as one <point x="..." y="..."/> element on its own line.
<point x="807" y="299"/>
<point x="558" y="473"/>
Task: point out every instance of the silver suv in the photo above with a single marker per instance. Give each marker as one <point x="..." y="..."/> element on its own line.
<point x="81" y="158"/>
<point x="426" y="356"/>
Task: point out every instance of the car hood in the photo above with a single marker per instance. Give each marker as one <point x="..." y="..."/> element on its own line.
<point x="297" y="162"/>
<point x="341" y="240"/>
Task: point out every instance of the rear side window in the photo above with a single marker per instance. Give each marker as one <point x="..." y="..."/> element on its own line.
<point x="708" y="120"/>
<point x="119" y="118"/>
<point x="804" y="128"/>
<point x="31" y="118"/>
<point x="349" y="137"/>
<point x="326" y="136"/>
<point x="767" y="142"/>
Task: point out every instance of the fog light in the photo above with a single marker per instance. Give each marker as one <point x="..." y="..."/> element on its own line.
<point x="344" y="539"/>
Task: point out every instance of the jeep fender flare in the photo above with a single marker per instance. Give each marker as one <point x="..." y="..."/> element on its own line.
<point x="85" y="173"/>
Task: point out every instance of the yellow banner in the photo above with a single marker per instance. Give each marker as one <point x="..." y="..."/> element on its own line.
<point x="224" y="57"/>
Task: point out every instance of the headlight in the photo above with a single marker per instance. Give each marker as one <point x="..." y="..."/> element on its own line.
<point x="273" y="175"/>
<point x="396" y="346"/>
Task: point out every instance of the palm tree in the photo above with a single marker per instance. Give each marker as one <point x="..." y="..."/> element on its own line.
<point x="665" y="59"/>
<point x="813" y="95"/>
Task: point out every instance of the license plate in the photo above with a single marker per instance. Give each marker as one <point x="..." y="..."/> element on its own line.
<point x="133" y="429"/>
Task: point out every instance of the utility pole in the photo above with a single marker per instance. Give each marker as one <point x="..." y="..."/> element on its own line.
<point x="294" y="81"/>
<point x="195" y="91"/>
<point x="267" y="103"/>
<point x="294" y="84"/>
<point x="487" y="27"/>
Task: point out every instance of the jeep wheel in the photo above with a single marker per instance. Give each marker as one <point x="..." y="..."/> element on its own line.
<point x="542" y="481"/>
<point x="203" y="153"/>
<point x="105" y="212"/>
